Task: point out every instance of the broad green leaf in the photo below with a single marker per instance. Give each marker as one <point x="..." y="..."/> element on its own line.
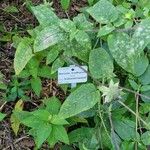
<point x="121" y="127"/>
<point x="105" y="30"/>
<point x="23" y="55"/>
<point x="33" y="66"/>
<point x="2" y="116"/>
<point x="16" y="40"/>
<point x="134" y="85"/>
<point x="77" y="48"/>
<point x="45" y="15"/>
<point x="32" y="122"/>
<point x="45" y="72"/>
<point x="42" y="114"/>
<point x="82" y="99"/>
<point x="141" y="37"/>
<point x="36" y="85"/>
<point x="146" y="138"/>
<point x="140" y="65"/>
<point x="49" y="36"/>
<point x="127" y="51"/>
<point x="126" y="54"/>
<point x="57" y="64"/>
<point x="119" y="46"/>
<point x="146" y="93"/>
<point x="58" y="120"/>
<point x="145" y="88"/>
<point x="127" y="145"/>
<point x="51" y="139"/>
<point x="67" y="25"/>
<point x="103" y="12"/>
<point x="145" y="78"/>
<point x="15" y="123"/>
<point x="65" y="4"/>
<point x="24" y="74"/>
<point x="100" y="64"/>
<point x="80" y="134"/>
<point x="52" y="105"/>
<point x="83" y="39"/>
<point x="60" y="133"/>
<point x="82" y="23"/>
<point x="42" y="132"/>
<point x="52" y="55"/>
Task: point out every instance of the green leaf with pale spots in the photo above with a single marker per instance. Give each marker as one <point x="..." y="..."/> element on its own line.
<point x="83" y="39"/>
<point x="119" y="46"/>
<point x="100" y="64"/>
<point x="67" y="25"/>
<point x="105" y="30"/>
<point x="141" y="37"/>
<point x="82" y="99"/>
<point x="49" y="36"/>
<point x="82" y="23"/>
<point x="23" y="55"/>
<point x="103" y="12"/>
<point x="45" y="15"/>
<point x="127" y="50"/>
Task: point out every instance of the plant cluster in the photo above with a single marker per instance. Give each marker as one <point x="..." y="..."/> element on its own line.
<point x="111" y="110"/>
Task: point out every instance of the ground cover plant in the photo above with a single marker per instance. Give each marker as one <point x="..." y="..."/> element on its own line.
<point x="109" y="111"/>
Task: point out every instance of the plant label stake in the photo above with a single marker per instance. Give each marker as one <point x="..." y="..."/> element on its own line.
<point x="72" y="75"/>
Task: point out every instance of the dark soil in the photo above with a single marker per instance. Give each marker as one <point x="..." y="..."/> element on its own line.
<point x="14" y="23"/>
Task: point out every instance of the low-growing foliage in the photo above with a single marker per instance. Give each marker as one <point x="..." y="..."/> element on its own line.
<point x="111" y="110"/>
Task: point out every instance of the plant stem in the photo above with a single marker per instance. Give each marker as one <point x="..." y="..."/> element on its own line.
<point x="100" y="115"/>
<point x="112" y="129"/>
<point x="134" y="114"/>
<point x="136" y="119"/>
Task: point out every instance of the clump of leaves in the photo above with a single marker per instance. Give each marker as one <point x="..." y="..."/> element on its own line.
<point x="112" y="38"/>
<point x="45" y="123"/>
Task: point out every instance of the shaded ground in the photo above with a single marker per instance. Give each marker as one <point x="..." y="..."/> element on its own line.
<point x="11" y="23"/>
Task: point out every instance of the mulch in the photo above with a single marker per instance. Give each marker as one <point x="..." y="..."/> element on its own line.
<point x="19" y="22"/>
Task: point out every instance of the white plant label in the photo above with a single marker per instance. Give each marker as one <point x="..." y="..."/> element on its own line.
<point x="72" y="75"/>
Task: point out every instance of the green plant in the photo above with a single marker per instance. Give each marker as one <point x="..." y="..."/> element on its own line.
<point x="2" y="116"/>
<point x="111" y="38"/>
<point x="3" y="87"/>
<point x="45" y="123"/>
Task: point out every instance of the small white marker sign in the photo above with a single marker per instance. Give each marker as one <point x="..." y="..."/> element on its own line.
<point x="72" y="74"/>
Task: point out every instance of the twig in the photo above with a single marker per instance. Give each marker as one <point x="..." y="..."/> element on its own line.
<point x="136" y="119"/>
<point x="100" y="115"/>
<point x="2" y="106"/>
<point x="17" y="141"/>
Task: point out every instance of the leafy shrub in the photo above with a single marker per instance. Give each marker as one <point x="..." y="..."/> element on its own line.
<point x="112" y="38"/>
